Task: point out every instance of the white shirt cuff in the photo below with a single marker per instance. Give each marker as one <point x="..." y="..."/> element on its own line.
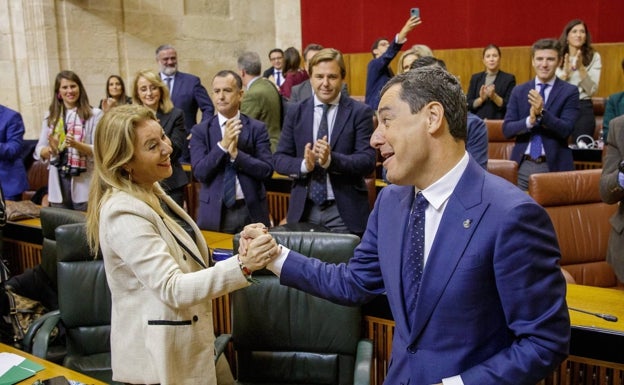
<point x="276" y="265"/>
<point x="455" y="380"/>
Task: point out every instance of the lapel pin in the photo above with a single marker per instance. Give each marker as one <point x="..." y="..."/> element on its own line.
<point x="467" y="223"/>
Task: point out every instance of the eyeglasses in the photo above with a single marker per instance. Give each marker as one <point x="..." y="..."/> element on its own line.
<point x="276" y="58"/>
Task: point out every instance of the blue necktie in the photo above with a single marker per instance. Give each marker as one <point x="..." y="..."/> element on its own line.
<point x="168" y="81"/>
<point x="414" y="251"/>
<point x="536" y="139"/>
<point x="318" y="183"/>
<point x="278" y="78"/>
<point x="229" y="184"/>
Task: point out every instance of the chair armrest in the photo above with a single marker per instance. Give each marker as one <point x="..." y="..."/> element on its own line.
<point x="41" y="338"/>
<point x="363" y="362"/>
<point x="34" y="327"/>
<point x="220" y="344"/>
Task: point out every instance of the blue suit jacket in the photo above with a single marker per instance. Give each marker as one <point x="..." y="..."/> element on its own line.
<point x="491" y="305"/>
<point x="558" y="119"/>
<point x="253" y="166"/>
<point x="352" y="158"/>
<point x="12" y="170"/>
<point x="189" y="95"/>
<point x="378" y="73"/>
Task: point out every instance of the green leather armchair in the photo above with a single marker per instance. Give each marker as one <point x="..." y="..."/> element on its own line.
<point x="283" y="335"/>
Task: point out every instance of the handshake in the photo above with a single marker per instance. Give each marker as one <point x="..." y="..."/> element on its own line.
<point x="257" y="247"/>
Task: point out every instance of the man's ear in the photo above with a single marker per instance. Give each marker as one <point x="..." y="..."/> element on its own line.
<point x="435" y="116"/>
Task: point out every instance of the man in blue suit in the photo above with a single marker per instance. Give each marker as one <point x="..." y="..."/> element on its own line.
<point x="337" y="161"/>
<point x="231" y="139"/>
<point x="541" y="114"/>
<point x="187" y="92"/>
<point x="484" y="301"/>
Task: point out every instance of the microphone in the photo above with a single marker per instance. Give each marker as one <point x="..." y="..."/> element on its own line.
<point x="606" y="317"/>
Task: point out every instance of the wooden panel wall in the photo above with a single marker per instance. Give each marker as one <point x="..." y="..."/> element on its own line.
<point x="516" y="60"/>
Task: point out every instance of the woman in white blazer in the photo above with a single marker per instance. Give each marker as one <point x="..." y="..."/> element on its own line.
<point x="157" y="263"/>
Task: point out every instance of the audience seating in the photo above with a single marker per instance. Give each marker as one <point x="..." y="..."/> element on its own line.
<point x="499" y="147"/>
<point x="599" y="104"/>
<point x="36" y="170"/>
<point x="507" y="169"/>
<point x="581" y="221"/>
<point x="316" y="341"/>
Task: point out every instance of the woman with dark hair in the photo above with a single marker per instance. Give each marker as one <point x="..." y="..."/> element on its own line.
<point x="489" y="91"/>
<point x="580" y="67"/>
<point x="66" y="142"/>
<point x="292" y="71"/>
<point x="115" y="93"/>
<point x="150" y="91"/>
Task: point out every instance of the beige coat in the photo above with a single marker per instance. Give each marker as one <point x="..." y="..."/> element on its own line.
<point x="161" y="328"/>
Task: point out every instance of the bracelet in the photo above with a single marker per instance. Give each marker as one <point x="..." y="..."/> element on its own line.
<point x="245" y="270"/>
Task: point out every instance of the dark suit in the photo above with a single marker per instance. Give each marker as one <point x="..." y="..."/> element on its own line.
<point x="503" y="85"/>
<point x="12" y="170"/>
<point x="268" y="72"/>
<point x="302" y="91"/>
<point x="612" y="192"/>
<point x="189" y="95"/>
<point x="491" y="305"/>
<point x="352" y="158"/>
<point x="173" y="124"/>
<point x="253" y="166"/>
<point x="558" y="117"/>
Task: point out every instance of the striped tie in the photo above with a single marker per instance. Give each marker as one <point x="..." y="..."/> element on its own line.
<point x="318" y="183"/>
<point x="229" y="184"/>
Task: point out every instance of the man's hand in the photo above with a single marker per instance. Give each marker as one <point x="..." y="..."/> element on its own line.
<point x="232" y="129"/>
<point x="309" y="157"/>
<point x="411" y="23"/>
<point x="322" y="150"/>
<point x="249" y="233"/>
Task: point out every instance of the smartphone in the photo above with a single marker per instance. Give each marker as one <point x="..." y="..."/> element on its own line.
<point x="415" y="12"/>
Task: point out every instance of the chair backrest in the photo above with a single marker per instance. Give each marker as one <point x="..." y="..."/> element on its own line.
<point x="499" y="147"/>
<point x="84" y="303"/>
<point x="581" y="221"/>
<point x="51" y="218"/>
<point x="507" y="169"/>
<point x="283" y="335"/>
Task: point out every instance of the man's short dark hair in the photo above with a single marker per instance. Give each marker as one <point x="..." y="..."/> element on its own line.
<point x="376" y="44"/>
<point x="425" y="61"/>
<point x="552" y="44"/>
<point x="276" y="50"/>
<point x="225" y="73"/>
<point x="434" y="84"/>
<point x="311" y="47"/>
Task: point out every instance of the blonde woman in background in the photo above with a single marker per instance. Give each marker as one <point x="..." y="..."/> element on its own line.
<point x="415" y="52"/>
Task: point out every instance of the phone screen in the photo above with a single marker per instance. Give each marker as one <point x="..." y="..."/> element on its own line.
<point x="415" y="12"/>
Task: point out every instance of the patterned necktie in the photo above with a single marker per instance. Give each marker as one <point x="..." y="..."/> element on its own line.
<point x="168" y="81"/>
<point x="414" y="250"/>
<point x="318" y="183"/>
<point x="229" y="184"/>
<point x="536" y="139"/>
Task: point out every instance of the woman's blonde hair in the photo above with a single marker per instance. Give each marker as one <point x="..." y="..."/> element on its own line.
<point x="114" y="147"/>
<point x="165" y="104"/>
<point x="418" y="50"/>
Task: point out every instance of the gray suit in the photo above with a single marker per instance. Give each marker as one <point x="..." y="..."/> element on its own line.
<point x="612" y="192"/>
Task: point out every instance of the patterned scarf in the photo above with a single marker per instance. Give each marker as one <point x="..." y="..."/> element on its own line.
<point x="71" y="162"/>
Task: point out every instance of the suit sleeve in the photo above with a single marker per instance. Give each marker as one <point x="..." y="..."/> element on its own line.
<point x="287" y="158"/>
<point x="203" y="100"/>
<point x="505" y="93"/>
<point x="11" y="146"/>
<point x="610" y="190"/>
<point x="515" y="118"/>
<point x="206" y="162"/>
<point x="473" y="92"/>
<point x="177" y="134"/>
<point x="561" y="122"/>
<point x="477" y="141"/>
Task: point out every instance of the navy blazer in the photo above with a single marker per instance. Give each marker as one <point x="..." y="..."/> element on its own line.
<point x="12" y="171"/>
<point x="173" y="125"/>
<point x="558" y="117"/>
<point x="503" y="85"/>
<point x="352" y="158"/>
<point x="378" y="73"/>
<point x="189" y="95"/>
<point x="491" y="305"/>
<point x="253" y="166"/>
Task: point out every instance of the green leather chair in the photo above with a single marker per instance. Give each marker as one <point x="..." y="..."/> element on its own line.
<point x="285" y="336"/>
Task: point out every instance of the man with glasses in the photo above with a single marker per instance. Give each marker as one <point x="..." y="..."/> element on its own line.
<point x="274" y="74"/>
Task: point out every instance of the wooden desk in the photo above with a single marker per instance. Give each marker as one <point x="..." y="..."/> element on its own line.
<point x="51" y="369"/>
<point x="216" y="240"/>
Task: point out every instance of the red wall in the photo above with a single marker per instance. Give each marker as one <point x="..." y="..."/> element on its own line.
<point x="352" y="25"/>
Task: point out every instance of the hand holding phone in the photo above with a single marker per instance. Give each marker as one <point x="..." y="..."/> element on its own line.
<point x="415" y="12"/>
